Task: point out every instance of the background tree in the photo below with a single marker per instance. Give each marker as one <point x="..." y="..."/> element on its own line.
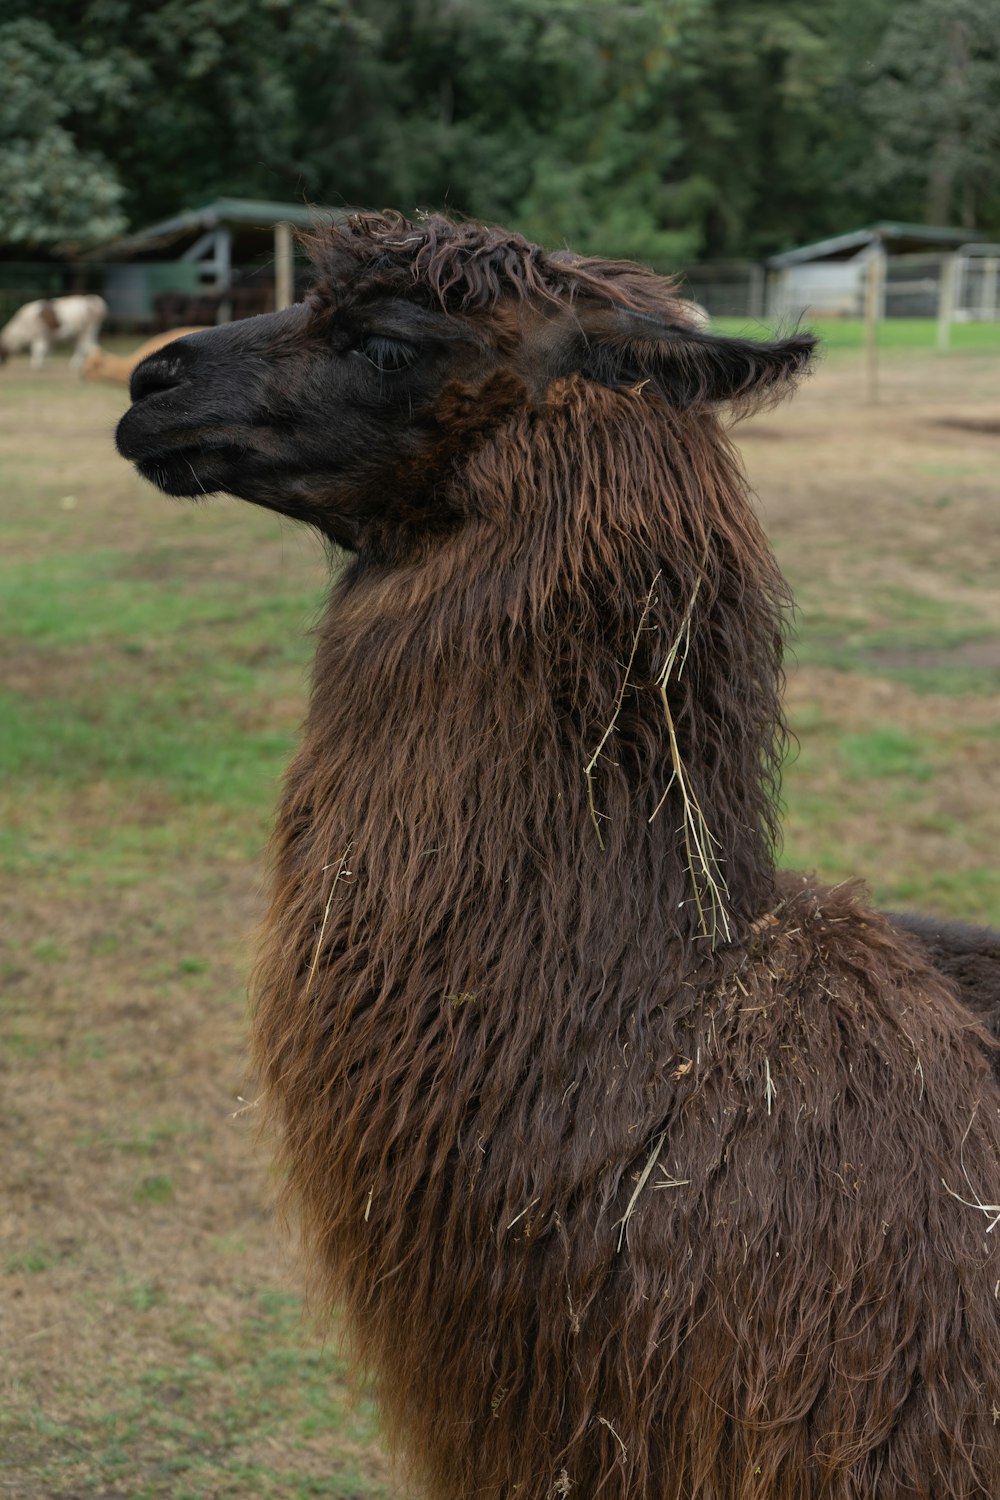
<point x="52" y="189"/>
<point x="934" y="105"/>
<point x="662" y="129"/>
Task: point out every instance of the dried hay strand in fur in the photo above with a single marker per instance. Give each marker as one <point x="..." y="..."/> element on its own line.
<point x="707" y="881"/>
<point x="710" y="891"/>
<point x="588" y="769"/>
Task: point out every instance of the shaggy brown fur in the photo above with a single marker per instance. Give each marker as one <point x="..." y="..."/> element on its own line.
<point x="635" y="1176"/>
<point x="969" y="957"/>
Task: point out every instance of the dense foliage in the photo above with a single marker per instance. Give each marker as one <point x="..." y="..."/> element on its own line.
<point x="658" y="128"/>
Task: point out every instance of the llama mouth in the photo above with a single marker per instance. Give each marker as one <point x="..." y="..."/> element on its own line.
<point x="183" y="468"/>
<point x="195" y="471"/>
<point x="195" y="463"/>
<point x="151" y="432"/>
<point x="185" y="462"/>
<point x="192" y="470"/>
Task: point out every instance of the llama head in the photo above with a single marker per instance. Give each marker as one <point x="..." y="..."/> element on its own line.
<point x="354" y="410"/>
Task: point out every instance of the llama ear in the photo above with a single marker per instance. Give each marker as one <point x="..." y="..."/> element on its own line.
<point x="689" y="366"/>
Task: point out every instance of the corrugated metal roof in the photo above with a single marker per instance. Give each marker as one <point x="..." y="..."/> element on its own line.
<point x="889" y="233"/>
<point x="247" y="213"/>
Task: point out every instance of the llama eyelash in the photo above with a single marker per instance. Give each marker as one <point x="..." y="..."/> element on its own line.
<point x="389" y="356"/>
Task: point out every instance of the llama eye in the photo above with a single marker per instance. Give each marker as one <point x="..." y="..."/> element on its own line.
<point x="386" y="354"/>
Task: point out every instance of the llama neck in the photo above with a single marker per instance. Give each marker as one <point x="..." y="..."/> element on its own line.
<point x="591" y="727"/>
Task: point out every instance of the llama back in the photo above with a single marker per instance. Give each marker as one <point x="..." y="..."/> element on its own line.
<point x="117" y="368"/>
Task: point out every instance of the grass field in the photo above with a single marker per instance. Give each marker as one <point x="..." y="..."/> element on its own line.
<point x="895" y="335"/>
<point x="154" y="672"/>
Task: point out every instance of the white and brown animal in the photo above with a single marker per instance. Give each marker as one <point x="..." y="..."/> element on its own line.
<point x="100" y="365"/>
<point x="51" y="320"/>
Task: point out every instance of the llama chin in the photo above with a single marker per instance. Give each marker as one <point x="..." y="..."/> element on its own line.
<point x="634" y="1170"/>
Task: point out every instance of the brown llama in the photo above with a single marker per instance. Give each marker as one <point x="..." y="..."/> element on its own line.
<point x="969" y="956"/>
<point x="100" y="365"/>
<point x="634" y="1176"/>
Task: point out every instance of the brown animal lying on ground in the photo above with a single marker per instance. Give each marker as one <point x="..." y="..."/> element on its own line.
<point x="100" y="365"/>
<point x="637" y="1174"/>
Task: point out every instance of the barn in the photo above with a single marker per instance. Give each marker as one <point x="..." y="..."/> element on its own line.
<point x="227" y="259"/>
<point x="827" y="278"/>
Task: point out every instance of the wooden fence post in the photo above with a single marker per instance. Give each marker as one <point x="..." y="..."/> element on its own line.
<point x="284" y="267"/>
<point x="874" y="310"/>
<point x="988" y="289"/>
<point x="946" y="299"/>
<point x="755" y="292"/>
<point x="223" y="253"/>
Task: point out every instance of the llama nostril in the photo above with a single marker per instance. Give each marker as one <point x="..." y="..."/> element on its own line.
<point x="158" y="372"/>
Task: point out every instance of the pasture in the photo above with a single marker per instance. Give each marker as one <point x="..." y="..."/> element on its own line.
<point x="155" y="658"/>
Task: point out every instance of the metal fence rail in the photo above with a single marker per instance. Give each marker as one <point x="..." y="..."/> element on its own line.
<point x="956" y="288"/>
<point x="959" y="287"/>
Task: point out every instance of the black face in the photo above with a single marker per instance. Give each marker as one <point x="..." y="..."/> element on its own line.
<point x="319" y="418"/>
<point x="350" y="420"/>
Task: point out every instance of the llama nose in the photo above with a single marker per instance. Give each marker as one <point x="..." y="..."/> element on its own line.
<point x="157" y="372"/>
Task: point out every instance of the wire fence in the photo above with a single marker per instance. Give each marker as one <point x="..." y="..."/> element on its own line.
<point x="963" y="287"/>
<point x="152" y="295"/>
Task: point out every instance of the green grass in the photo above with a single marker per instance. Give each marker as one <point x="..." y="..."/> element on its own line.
<point x="142" y="600"/>
<point x="132" y="679"/>
<point x="140" y="735"/>
<point x="899" y="635"/>
<point x="154" y="678"/>
<point x="972" y="893"/>
<point x="886" y="753"/>
<point x="158" y="1188"/>
<point x="879" y="802"/>
<point x="32" y="1261"/>
<point x="229" y="1413"/>
<point x="895" y="335"/>
<point x="147" y="1140"/>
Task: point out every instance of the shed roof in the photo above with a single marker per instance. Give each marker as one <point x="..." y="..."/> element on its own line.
<point x="896" y="238"/>
<point x="248" y="214"/>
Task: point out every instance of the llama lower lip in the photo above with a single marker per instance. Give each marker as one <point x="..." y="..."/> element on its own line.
<point x="150" y="434"/>
<point x="179" y="461"/>
<point x="189" y="471"/>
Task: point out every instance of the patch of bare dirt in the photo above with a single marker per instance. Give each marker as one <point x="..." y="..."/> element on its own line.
<point x="984" y="653"/>
<point x="985" y="425"/>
